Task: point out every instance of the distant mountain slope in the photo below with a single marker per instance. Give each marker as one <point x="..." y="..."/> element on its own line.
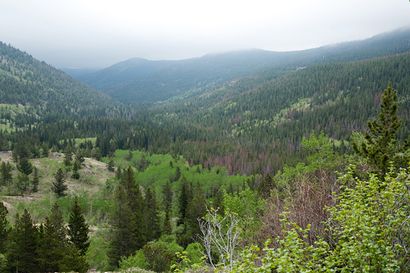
<point x="143" y="81"/>
<point x="258" y="123"/>
<point x="29" y="82"/>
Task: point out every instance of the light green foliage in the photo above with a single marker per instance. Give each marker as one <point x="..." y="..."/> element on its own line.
<point x="137" y="260"/>
<point x="370" y="222"/>
<point x="248" y="206"/>
<point x="159" y="171"/>
<point x="97" y="252"/>
<point x="191" y="258"/>
<point x="291" y="255"/>
<point x="320" y="156"/>
<point x="368" y="227"/>
<point x="10" y="112"/>
<point x="161" y="255"/>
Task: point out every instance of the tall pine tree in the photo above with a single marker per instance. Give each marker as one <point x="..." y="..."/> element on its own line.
<point x="22" y="248"/>
<point x="59" y="186"/>
<point x="4" y="229"/>
<point x="128" y="220"/>
<point x="53" y="241"/>
<point x="78" y="229"/>
<point x="381" y="146"/>
<point x="152" y="228"/>
<point x="35" y="181"/>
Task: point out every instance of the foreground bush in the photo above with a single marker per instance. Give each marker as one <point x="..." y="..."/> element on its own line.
<point x="369" y="232"/>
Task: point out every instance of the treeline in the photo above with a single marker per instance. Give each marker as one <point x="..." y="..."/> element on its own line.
<point x="250" y="126"/>
<point x="51" y="246"/>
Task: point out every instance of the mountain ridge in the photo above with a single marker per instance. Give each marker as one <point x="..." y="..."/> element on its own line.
<point x="139" y="80"/>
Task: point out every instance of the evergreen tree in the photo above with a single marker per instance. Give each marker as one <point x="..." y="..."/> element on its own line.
<point x="25" y="166"/>
<point x="196" y="209"/>
<point x="6" y="176"/>
<point x="76" y="167"/>
<point x="22" y="248"/>
<point x="3" y="228"/>
<point x="184" y="199"/>
<point x="78" y="228"/>
<point x="128" y="220"/>
<point x="380" y="145"/>
<point x="122" y="241"/>
<point x="68" y="157"/>
<point x="22" y="183"/>
<point x="73" y="261"/>
<point x="59" y="186"/>
<point x="167" y="193"/>
<point x="152" y="229"/>
<point x="53" y="241"/>
<point x="35" y="181"/>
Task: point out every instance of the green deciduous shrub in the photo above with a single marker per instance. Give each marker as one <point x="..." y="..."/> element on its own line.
<point x="369" y="232"/>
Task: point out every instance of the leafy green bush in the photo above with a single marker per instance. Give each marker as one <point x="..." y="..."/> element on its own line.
<point x="137" y="260"/>
<point x="248" y="206"/>
<point x="161" y="255"/>
<point x="368" y="228"/>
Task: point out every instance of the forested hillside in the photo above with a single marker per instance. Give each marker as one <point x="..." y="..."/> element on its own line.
<point x="258" y="123"/>
<point x="36" y="85"/>
<point x="246" y="162"/>
<point x="144" y="81"/>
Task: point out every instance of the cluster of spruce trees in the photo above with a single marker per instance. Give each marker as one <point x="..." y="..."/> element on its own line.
<point x="27" y="177"/>
<point x="138" y="220"/>
<point x="50" y="246"/>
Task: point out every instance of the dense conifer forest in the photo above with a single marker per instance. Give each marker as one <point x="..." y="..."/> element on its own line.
<point x="295" y="162"/>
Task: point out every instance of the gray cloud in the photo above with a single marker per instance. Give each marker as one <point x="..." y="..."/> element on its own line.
<point x="96" y="33"/>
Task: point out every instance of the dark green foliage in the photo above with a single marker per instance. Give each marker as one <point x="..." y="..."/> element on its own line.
<point x="184" y="198"/>
<point x="22" y="248"/>
<point x="78" y="228"/>
<point x="76" y="167"/>
<point x="35" y="181"/>
<point x="53" y="241"/>
<point x="5" y="172"/>
<point x="381" y="144"/>
<point x="265" y="186"/>
<point x="22" y="183"/>
<point x="111" y="166"/>
<point x="49" y="92"/>
<point x="151" y="220"/>
<point x="25" y="166"/>
<point x="68" y="157"/>
<point x="128" y="226"/>
<point x="59" y="186"/>
<point x="4" y="229"/>
<point x="167" y="203"/>
<point x="80" y="158"/>
<point x="73" y="261"/>
<point x="192" y="207"/>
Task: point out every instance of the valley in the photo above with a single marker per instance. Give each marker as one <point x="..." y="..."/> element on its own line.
<point x="245" y="161"/>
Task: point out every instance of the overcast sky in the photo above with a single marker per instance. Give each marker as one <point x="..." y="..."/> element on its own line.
<point x="97" y="33"/>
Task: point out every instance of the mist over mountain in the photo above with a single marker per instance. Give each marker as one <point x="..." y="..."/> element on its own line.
<point x="139" y="80"/>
